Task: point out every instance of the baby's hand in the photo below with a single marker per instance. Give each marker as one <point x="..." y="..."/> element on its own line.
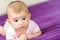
<point x="2" y="31"/>
<point x="22" y="37"/>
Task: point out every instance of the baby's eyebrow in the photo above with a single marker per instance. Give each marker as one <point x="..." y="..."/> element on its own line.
<point x="18" y="17"/>
<point x="15" y="18"/>
<point x="22" y="17"/>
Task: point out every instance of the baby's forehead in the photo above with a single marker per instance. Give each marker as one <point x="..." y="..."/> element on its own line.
<point x="17" y="15"/>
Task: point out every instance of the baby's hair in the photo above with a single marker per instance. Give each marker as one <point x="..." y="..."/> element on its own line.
<point x="17" y="6"/>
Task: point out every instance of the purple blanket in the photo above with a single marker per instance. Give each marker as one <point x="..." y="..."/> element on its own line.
<point x="47" y="16"/>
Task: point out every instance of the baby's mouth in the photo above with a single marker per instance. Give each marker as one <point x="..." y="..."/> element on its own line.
<point x="21" y="28"/>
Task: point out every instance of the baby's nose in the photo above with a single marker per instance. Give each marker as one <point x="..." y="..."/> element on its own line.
<point x="20" y="22"/>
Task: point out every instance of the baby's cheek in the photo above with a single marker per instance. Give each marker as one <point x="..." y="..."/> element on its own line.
<point x="14" y="25"/>
<point x="26" y="25"/>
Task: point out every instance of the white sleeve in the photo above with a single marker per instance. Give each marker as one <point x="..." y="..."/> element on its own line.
<point x="9" y="35"/>
<point x="8" y="31"/>
<point x="35" y="27"/>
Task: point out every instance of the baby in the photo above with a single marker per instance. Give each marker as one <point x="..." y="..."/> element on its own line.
<point x="18" y="26"/>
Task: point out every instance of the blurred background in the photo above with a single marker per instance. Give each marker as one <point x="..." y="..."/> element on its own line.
<point x="4" y="3"/>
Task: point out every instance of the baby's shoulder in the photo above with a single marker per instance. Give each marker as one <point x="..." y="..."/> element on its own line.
<point x="32" y="22"/>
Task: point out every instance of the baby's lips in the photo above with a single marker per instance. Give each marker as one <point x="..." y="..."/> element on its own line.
<point x="21" y="27"/>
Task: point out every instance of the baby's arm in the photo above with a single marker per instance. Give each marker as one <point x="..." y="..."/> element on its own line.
<point x="8" y="39"/>
<point x="2" y="31"/>
<point x="22" y="37"/>
<point x="35" y="30"/>
<point x="34" y="35"/>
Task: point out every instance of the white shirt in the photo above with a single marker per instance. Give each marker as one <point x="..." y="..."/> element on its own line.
<point x="11" y="33"/>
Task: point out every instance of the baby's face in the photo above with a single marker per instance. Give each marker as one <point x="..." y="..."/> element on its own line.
<point x="19" y="21"/>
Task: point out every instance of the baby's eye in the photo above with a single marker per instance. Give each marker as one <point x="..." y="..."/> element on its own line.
<point x="23" y="18"/>
<point x="16" y="20"/>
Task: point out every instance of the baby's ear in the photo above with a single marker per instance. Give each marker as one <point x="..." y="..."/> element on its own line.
<point x="7" y="20"/>
<point x="29" y="15"/>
